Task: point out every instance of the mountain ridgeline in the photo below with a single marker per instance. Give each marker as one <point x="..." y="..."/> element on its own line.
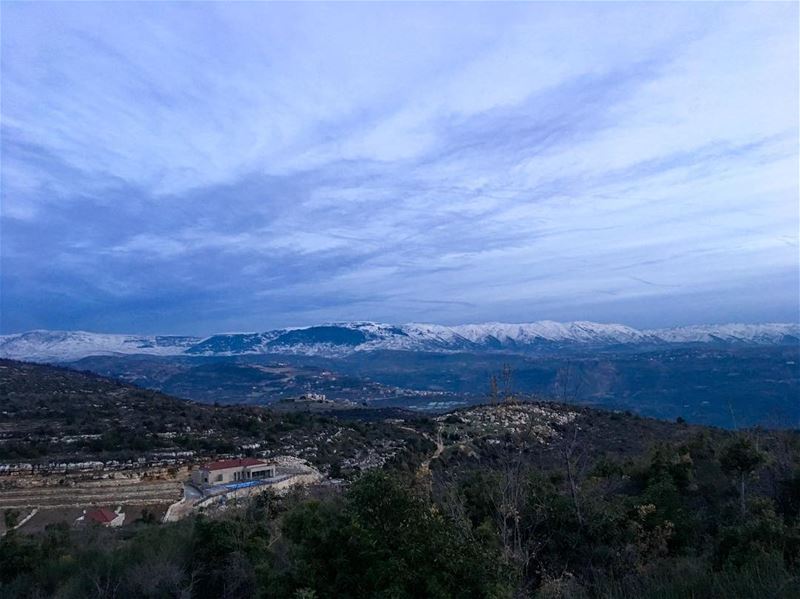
<point x="722" y="375"/>
<point x="340" y="339"/>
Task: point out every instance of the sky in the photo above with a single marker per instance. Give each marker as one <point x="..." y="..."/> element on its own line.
<point x="199" y="167"/>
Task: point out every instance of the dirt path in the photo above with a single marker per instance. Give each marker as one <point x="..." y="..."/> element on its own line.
<point x="22" y="522"/>
<point x="182" y="508"/>
<point x="425" y="467"/>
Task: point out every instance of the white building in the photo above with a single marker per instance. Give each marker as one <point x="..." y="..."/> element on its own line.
<point x="236" y="470"/>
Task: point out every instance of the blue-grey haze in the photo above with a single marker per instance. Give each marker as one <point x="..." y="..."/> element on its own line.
<point x="199" y="167"/>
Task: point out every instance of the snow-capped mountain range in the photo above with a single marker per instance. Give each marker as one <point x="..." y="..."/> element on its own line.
<point x="338" y="339"/>
<point x="65" y="346"/>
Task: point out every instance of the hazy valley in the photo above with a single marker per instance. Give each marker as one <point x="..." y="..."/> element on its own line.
<point x="727" y="375"/>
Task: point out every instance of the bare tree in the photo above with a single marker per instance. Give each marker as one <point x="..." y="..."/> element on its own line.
<point x="508" y="383"/>
<point x="568" y="383"/>
<point x="103" y="578"/>
<point x="509" y="506"/>
<point x="568" y="386"/>
<point x="571" y="459"/>
<point x="514" y="493"/>
<point x="494" y="391"/>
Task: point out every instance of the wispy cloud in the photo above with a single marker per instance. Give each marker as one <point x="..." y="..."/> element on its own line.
<point x="200" y="167"/>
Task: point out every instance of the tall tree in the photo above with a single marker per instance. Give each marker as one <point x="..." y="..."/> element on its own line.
<point x="741" y="458"/>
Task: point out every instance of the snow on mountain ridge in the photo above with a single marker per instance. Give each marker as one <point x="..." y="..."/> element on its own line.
<point x="42" y="345"/>
<point x="548" y="330"/>
<point x="338" y="339"/>
<point x="766" y="333"/>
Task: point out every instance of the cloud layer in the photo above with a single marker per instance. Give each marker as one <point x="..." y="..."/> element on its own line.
<point x="204" y="167"/>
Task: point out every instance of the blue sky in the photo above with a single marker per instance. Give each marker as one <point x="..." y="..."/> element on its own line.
<point x="192" y="168"/>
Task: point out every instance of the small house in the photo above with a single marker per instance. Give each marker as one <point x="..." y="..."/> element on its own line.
<point x="105" y="517"/>
<point x="236" y="470"/>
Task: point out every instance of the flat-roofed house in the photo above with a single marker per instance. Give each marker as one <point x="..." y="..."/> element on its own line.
<point x="222" y="472"/>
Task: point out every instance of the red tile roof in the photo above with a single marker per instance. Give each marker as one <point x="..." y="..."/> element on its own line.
<point x="235" y="463"/>
<point x="101" y="516"/>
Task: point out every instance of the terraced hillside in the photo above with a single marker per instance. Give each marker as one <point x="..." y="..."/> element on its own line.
<point x="54" y="419"/>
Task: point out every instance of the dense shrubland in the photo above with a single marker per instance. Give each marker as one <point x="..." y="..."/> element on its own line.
<point x="712" y="517"/>
<point x="603" y="505"/>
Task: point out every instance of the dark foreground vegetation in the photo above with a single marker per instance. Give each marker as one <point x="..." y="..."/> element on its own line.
<point x="705" y="519"/>
<point x="575" y="503"/>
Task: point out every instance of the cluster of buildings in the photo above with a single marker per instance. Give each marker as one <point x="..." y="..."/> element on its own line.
<point x="309" y="398"/>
